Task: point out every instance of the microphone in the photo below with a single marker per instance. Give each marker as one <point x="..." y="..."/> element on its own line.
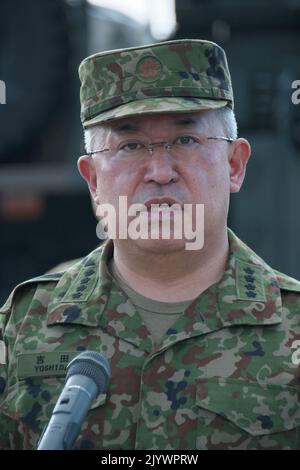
<point x="87" y="376"/>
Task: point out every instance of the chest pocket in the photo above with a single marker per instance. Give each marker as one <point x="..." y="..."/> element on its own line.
<point x="235" y="414"/>
<point x="28" y="405"/>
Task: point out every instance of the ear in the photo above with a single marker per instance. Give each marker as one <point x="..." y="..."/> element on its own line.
<point x="239" y="156"/>
<point x="87" y="170"/>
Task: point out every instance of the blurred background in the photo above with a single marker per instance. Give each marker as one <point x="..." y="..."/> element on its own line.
<point x="45" y="211"/>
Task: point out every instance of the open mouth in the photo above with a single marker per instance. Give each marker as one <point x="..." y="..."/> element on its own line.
<point x="160" y="207"/>
<point x="163" y="204"/>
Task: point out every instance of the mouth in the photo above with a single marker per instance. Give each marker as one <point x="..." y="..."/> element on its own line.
<point x="163" y="203"/>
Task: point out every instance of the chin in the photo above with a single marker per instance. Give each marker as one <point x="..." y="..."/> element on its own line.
<point x="160" y="246"/>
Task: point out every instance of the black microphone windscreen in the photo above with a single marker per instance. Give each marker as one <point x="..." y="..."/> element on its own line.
<point x="92" y="365"/>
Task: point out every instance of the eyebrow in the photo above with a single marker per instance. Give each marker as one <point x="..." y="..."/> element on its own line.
<point x="129" y="127"/>
<point x="126" y="127"/>
<point x="185" y="121"/>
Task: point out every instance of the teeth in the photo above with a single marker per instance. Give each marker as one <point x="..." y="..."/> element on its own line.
<point x="160" y="207"/>
<point x="164" y="206"/>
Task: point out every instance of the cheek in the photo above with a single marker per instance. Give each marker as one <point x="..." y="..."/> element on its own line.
<point x="105" y="180"/>
<point x="113" y="180"/>
<point x="210" y="173"/>
<point x="218" y="171"/>
<point x="210" y="179"/>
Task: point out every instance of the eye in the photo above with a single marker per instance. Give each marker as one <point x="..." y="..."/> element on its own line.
<point x="131" y="147"/>
<point x="185" y="140"/>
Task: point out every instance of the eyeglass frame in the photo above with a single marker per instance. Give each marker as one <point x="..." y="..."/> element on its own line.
<point x="150" y="147"/>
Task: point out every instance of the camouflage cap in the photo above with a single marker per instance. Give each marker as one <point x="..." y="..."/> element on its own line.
<point x="173" y="76"/>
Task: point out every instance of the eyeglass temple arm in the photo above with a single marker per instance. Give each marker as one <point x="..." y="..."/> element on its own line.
<point x="228" y="139"/>
<point x="97" y="151"/>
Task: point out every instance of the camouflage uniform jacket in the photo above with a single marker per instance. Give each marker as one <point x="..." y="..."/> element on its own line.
<point x="224" y="376"/>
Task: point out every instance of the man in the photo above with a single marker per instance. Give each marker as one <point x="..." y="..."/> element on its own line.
<point x="201" y="342"/>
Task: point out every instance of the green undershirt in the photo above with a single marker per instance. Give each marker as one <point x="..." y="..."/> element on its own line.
<point x="158" y="316"/>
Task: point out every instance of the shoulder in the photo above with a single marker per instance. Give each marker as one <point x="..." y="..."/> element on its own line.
<point x="290" y="292"/>
<point x="290" y="297"/>
<point x="243" y="253"/>
<point x="31" y="295"/>
<point x="44" y="283"/>
<point x="36" y="293"/>
<point x="287" y="283"/>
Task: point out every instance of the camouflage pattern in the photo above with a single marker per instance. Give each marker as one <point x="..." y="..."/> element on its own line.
<point x="222" y="376"/>
<point x="174" y="76"/>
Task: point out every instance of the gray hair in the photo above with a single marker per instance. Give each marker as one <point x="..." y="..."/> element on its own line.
<point x="228" y="120"/>
<point x="90" y="135"/>
<point x="225" y="115"/>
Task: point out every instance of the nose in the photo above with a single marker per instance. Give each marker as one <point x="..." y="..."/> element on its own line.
<point x="161" y="167"/>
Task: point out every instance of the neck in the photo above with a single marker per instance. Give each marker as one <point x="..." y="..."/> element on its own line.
<point x="175" y="276"/>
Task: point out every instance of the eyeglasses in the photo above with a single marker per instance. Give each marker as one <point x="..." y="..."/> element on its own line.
<point x="179" y="147"/>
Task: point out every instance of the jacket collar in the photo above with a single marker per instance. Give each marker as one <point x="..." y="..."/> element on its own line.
<point x="247" y="294"/>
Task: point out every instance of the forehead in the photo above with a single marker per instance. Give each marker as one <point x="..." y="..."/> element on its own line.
<point x="141" y="122"/>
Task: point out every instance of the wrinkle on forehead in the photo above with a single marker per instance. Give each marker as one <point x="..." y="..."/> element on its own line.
<point x="136" y="123"/>
<point x="112" y="130"/>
